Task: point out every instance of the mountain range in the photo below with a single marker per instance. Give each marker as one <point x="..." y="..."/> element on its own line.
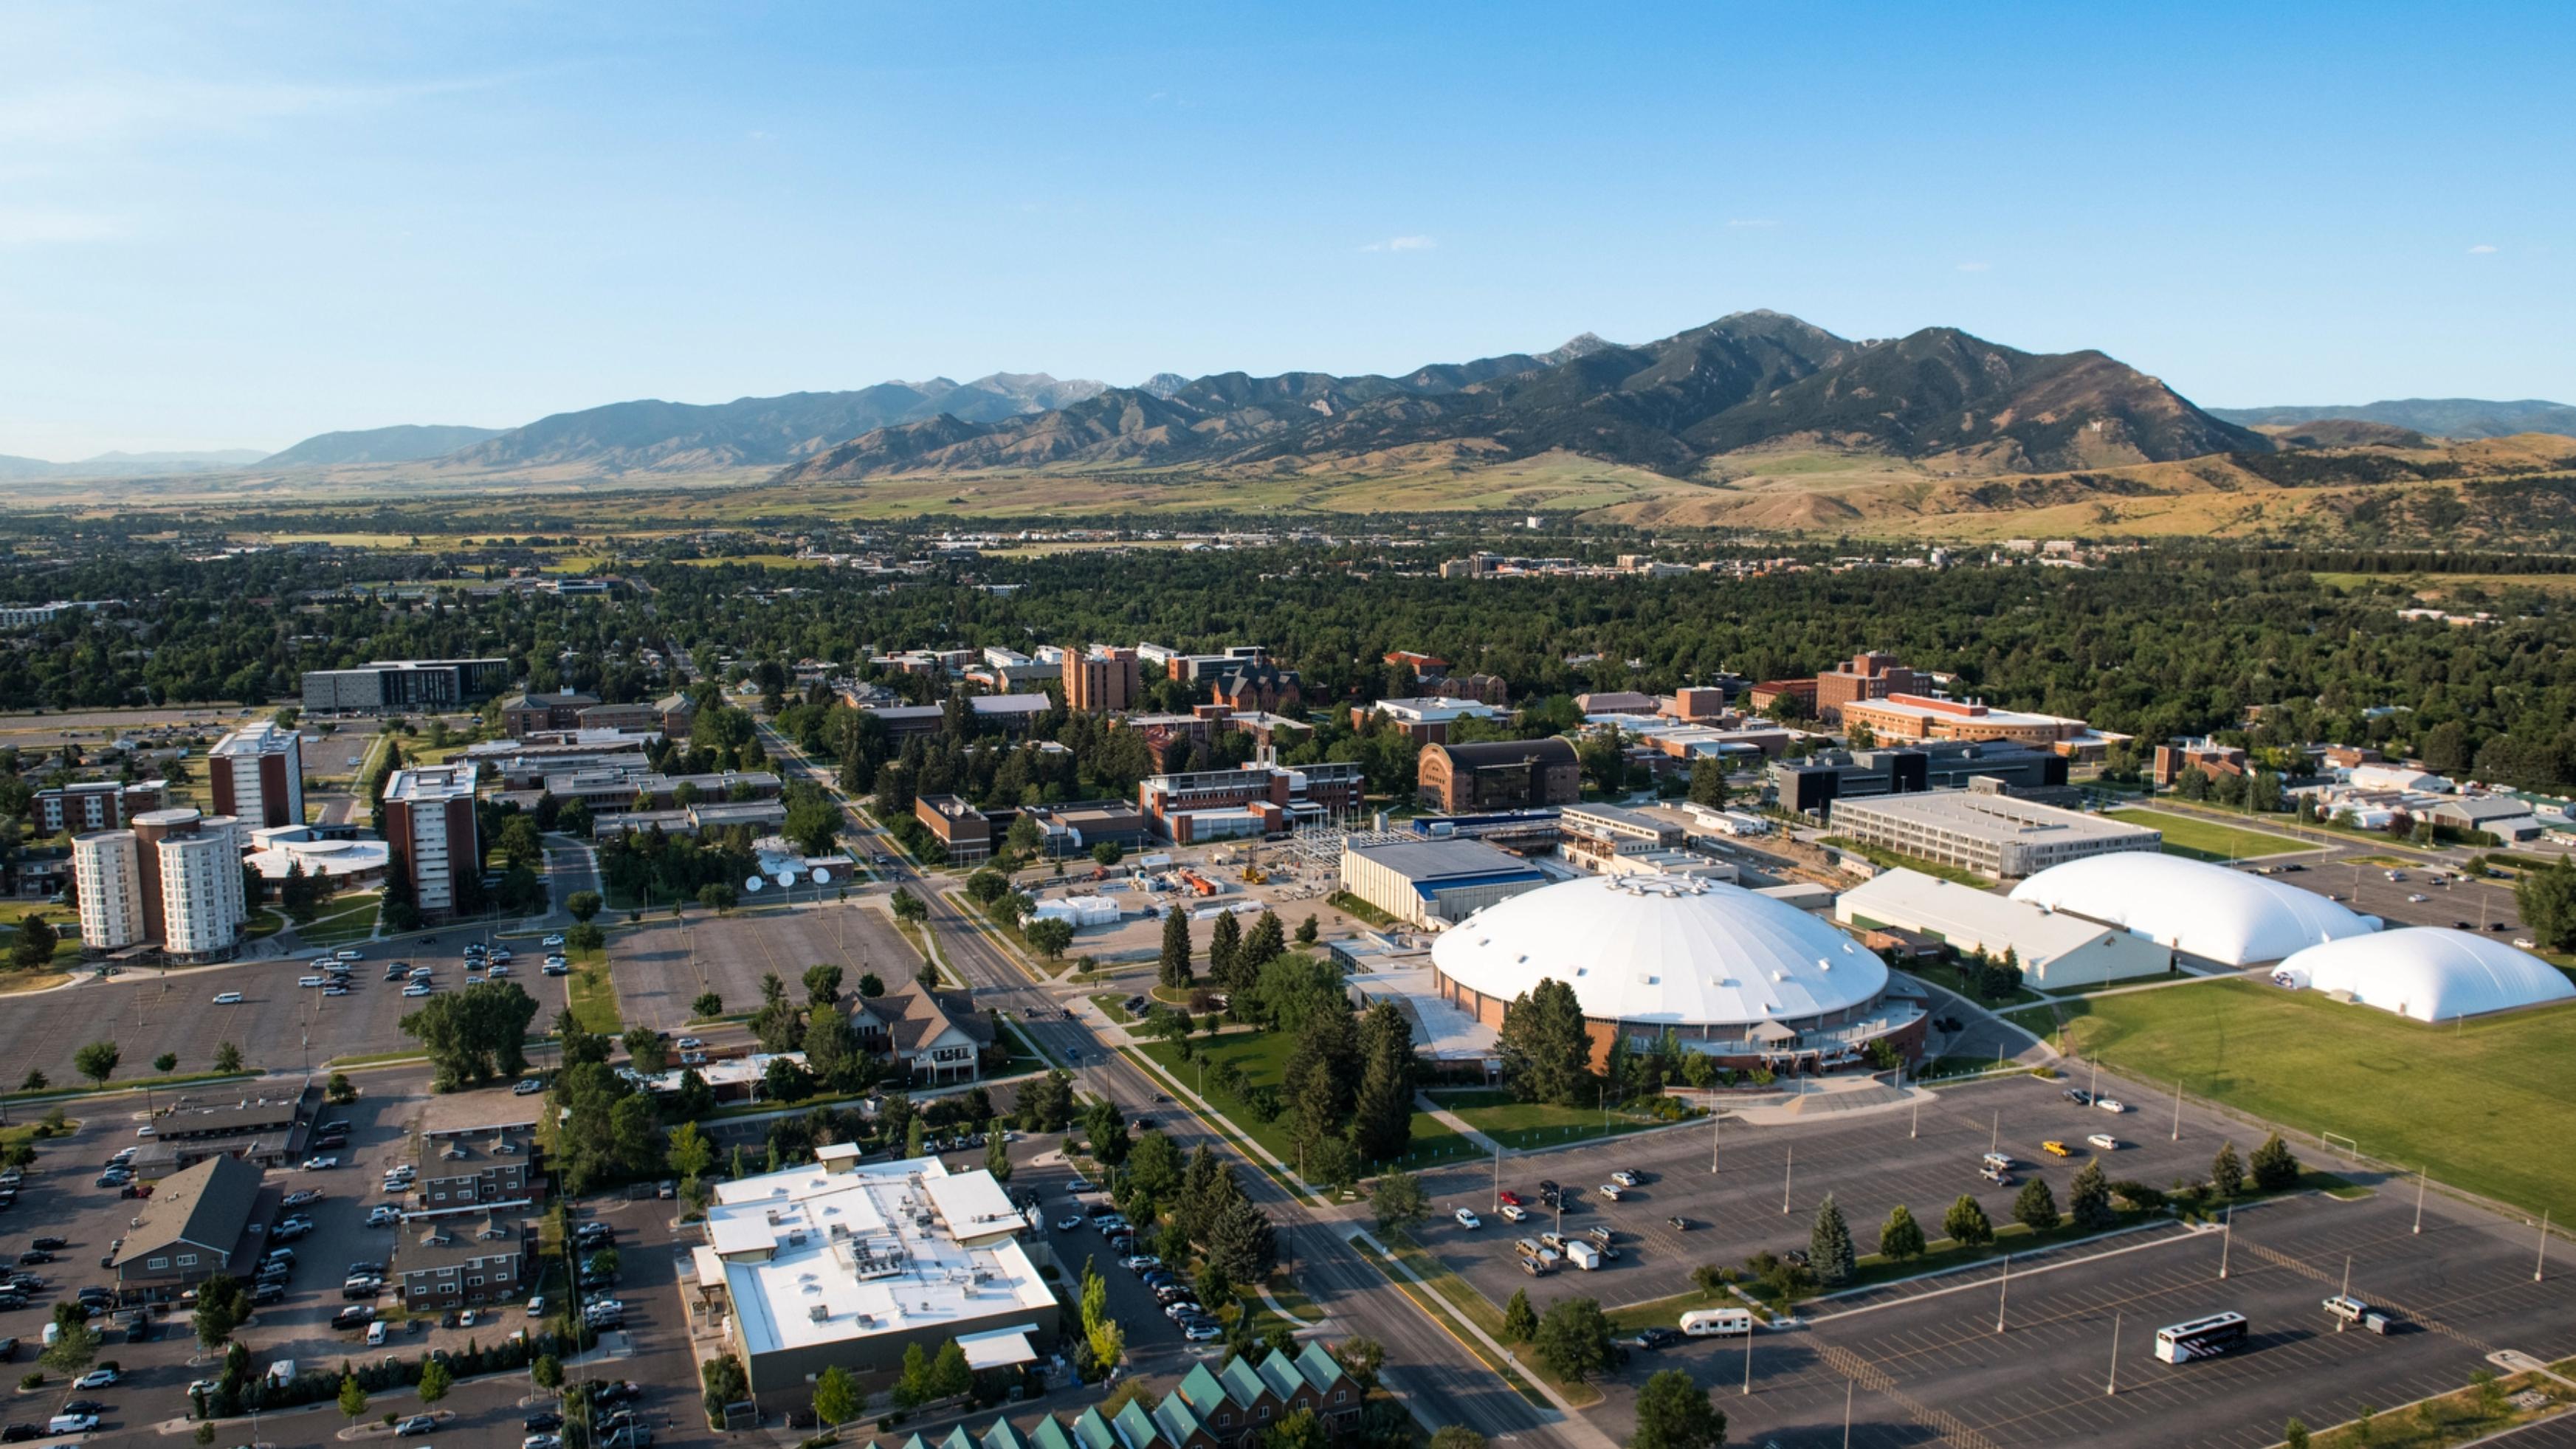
<point x="760" y="431"/>
<point x="1751" y="380"/>
<point x="2441" y="417"/>
<point x="127" y="465"/>
<point x="402" y="443"/>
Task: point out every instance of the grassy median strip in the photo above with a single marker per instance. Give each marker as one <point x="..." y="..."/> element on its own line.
<point x="1461" y="1297"/>
<point x="1450" y="1324"/>
<point x="591" y="997"/>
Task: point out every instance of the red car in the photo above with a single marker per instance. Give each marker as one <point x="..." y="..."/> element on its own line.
<point x="1511" y="1199"/>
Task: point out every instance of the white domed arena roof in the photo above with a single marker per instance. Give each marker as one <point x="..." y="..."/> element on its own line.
<point x="1663" y="949"/>
<point x="2430" y="973"/>
<point x="2207" y="910"/>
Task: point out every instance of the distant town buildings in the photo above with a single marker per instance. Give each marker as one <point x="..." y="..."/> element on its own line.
<point x="1865" y="676"/>
<point x="1256" y="800"/>
<point x="92" y="804"/>
<point x="404" y="684"/>
<point x="1901" y="717"/>
<point x="1103" y="680"/>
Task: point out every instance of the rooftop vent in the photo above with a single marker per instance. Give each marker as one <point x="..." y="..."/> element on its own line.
<point x="819" y="1313"/>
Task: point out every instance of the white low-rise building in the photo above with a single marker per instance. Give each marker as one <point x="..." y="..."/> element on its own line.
<point x="2429" y="973"/>
<point x="2054" y="950"/>
<point x="844" y="1264"/>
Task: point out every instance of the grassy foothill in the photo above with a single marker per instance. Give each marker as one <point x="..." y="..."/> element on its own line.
<point x="2479" y="1103"/>
<point x="1261" y="1055"/>
<point x="2196" y="837"/>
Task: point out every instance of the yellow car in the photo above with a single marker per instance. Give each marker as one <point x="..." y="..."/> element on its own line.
<point x="2055" y="1149"/>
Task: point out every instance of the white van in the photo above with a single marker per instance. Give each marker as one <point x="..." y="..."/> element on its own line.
<point x="376" y="1334"/>
<point x="71" y="1424"/>
<point x="311" y="981"/>
<point x="1717" y="1322"/>
<point x="349" y="956"/>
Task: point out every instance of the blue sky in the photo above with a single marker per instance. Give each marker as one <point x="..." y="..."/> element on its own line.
<point x="234" y="225"/>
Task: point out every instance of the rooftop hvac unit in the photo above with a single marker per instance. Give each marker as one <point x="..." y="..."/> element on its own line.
<point x="820" y="1313"/>
<point x="838" y="1230"/>
<point x="796" y="1239"/>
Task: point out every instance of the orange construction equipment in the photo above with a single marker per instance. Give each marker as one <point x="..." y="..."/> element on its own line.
<point x="1198" y="884"/>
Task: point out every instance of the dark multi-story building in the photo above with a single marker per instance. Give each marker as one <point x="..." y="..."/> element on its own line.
<point x="257" y="775"/>
<point x="1499" y="775"/>
<point x="92" y="805"/>
<point x="428" y="821"/>
<point x="1811" y="786"/>
<point x="528" y="714"/>
<point x="479" y="1165"/>
<point x="404" y="684"/>
<point x="1258" y="799"/>
<point x="964" y="831"/>
<point x="464" y="1256"/>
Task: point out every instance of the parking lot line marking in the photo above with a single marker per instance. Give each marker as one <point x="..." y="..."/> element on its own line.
<point x="2304" y="1269"/>
<point x="1860" y="1371"/>
<point x="2050" y="1267"/>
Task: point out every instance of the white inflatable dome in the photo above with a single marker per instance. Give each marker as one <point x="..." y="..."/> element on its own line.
<point x="2430" y="973"/>
<point x="1663" y="949"/>
<point x="2205" y="910"/>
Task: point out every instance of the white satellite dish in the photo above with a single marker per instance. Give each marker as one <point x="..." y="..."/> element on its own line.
<point x="820" y="876"/>
<point x="786" y="879"/>
<point x="753" y="884"/>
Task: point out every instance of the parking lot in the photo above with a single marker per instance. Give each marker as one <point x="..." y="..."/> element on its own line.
<point x="149" y="1013"/>
<point x="2483" y="904"/>
<point x="661" y="966"/>
<point x="1870" y="1162"/>
<point x="1924" y="1359"/>
<point x="60" y="1199"/>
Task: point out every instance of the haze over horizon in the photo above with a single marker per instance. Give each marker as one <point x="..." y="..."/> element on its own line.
<point x="236" y="228"/>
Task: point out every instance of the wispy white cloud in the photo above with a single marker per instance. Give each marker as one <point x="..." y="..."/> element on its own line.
<point x="2481" y="249"/>
<point x="41" y="226"/>
<point x="1752" y="222"/>
<point x="1975" y="266"/>
<point x="1402" y="244"/>
<point x="123" y="107"/>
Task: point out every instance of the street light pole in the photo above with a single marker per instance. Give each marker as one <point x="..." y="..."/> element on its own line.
<point x="2114" y="1386"/>
<point x="2226" y="1236"/>
<point x="1713" y="1120"/>
<point x="2177" y="1122"/>
<point x="1748" y="1360"/>
<point x="2540" y="1265"/>
<point x="2419" y="1201"/>
<point x="2003" y="1292"/>
<point x="1848" y="1386"/>
<point x="1786" y="1169"/>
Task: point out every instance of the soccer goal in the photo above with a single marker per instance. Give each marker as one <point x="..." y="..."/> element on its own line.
<point x="2336" y="1141"/>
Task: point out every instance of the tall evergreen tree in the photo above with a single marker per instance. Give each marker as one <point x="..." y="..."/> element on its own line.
<point x="1242" y="1242"/>
<point x="1902" y="1239"/>
<point x="1225" y="951"/>
<point x="1545" y="1046"/>
<point x="1966" y="1223"/>
<point x="2275" y="1167"/>
<point x="1267" y="942"/>
<point x="1829" y="1244"/>
<point x="2227" y="1171"/>
<point x="1382" y="1108"/>
<point x="1176" y="948"/>
<point x="2088" y="1198"/>
<point x="1191" y="1206"/>
<point x="2035" y="1207"/>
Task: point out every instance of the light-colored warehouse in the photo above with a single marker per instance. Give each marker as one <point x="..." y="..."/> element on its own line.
<point x="2054" y="951"/>
<point x="2208" y="911"/>
<point x="1435" y="882"/>
<point x="2430" y="973"/>
<point x="1731" y="973"/>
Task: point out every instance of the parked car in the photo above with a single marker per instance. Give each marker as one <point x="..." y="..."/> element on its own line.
<point x="2104" y="1141"/>
<point x="228" y="998"/>
<point x="320" y="1164"/>
<point x="416" y="1425"/>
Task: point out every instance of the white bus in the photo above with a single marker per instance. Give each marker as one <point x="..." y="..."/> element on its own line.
<point x="2201" y="1337"/>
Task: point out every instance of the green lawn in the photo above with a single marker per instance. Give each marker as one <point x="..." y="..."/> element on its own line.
<point x="1112" y="1005"/>
<point x="1524" y="1125"/>
<point x="2197" y="838"/>
<point x="592" y="998"/>
<point x="345" y="919"/>
<point x="1261" y="1054"/>
<point x="2481" y="1103"/>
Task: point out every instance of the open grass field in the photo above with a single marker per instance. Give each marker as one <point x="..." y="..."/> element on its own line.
<point x="1525" y="1125"/>
<point x="348" y="918"/>
<point x="2436" y="587"/>
<point x="2481" y="1104"/>
<point x="2198" y="839"/>
<point x="1261" y="1054"/>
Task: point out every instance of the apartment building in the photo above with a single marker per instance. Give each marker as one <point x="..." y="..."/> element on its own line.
<point x="257" y="776"/>
<point x="1102" y="680"/>
<point x="92" y="804"/>
<point x="1865" y="677"/>
<point x="172" y="881"/>
<point x="428" y="820"/>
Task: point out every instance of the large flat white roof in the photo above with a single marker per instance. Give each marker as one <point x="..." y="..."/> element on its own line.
<point x="814" y="1256"/>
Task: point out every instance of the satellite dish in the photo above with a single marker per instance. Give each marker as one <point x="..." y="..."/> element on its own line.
<point x="820" y="876"/>
<point x="753" y="884"/>
<point x="786" y="879"/>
